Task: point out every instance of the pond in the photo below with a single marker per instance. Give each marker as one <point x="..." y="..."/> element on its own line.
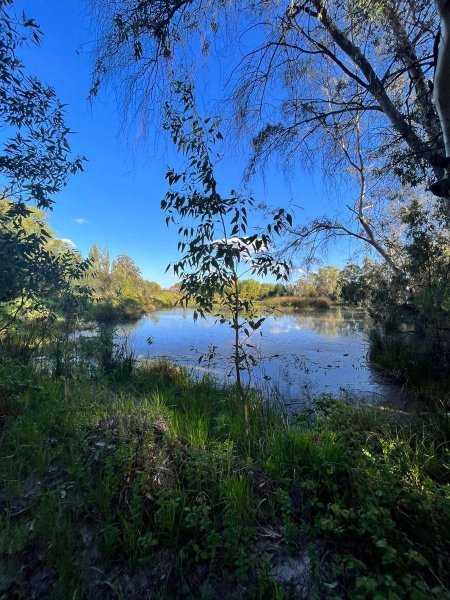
<point x="299" y="355"/>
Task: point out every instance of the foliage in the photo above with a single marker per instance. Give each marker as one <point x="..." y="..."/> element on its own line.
<point x="324" y="282"/>
<point x="255" y="290"/>
<point x="141" y="485"/>
<point x="427" y="265"/>
<point x="40" y="274"/>
<point x="215" y="245"/>
<point x="120" y="292"/>
<point x="114" y="359"/>
<point x="410" y="308"/>
<point x="386" y="478"/>
<point x="153" y="287"/>
<point x="249" y="288"/>
<point x="413" y="304"/>
<point x="353" y="284"/>
<point x="315" y="289"/>
<point x="35" y="164"/>
<point x="413" y="361"/>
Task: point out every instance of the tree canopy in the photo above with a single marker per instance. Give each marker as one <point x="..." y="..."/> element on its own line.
<point x="345" y="84"/>
<point x="35" y="162"/>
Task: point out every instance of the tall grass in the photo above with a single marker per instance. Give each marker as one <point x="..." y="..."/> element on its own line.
<point x="141" y="484"/>
<point x="413" y="361"/>
<point x="297" y="302"/>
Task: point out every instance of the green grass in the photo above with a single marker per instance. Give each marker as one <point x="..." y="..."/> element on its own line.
<point x="141" y="486"/>
<point x="296" y="303"/>
<point x="414" y="362"/>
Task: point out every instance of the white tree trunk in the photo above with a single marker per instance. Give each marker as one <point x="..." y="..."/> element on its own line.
<point x="441" y="93"/>
<point x="441" y="98"/>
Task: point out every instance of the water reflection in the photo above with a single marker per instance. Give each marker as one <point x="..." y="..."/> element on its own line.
<point x="302" y="355"/>
<point x="333" y="323"/>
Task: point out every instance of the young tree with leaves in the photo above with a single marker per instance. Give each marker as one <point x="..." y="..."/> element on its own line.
<point x="217" y="249"/>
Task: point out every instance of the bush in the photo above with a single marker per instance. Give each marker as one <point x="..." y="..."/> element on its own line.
<point x="412" y="359"/>
<point x="15" y="379"/>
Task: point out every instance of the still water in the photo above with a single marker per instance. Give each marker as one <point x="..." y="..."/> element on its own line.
<point x="299" y="355"/>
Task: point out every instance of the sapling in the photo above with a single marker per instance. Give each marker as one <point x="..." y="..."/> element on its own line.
<point x="217" y="249"/>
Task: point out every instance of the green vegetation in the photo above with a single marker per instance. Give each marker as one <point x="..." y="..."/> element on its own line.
<point x="344" y="85"/>
<point x="219" y="245"/>
<point x="40" y="274"/>
<point x="414" y="363"/>
<point x="120" y="480"/>
<point x="44" y="277"/>
<point x="320" y="289"/>
<point x="119" y="292"/>
<point x="35" y="165"/>
<point x="137" y="484"/>
<point x="296" y="303"/>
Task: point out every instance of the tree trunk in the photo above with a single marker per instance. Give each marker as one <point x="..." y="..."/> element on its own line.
<point x="237" y="365"/>
<point x="374" y="85"/>
<point x="407" y="52"/>
<point x="441" y="93"/>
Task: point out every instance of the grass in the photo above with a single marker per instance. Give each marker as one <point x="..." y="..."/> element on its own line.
<point x="298" y="303"/>
<point x="140" y="486"/>
<point x="411" y="361"/>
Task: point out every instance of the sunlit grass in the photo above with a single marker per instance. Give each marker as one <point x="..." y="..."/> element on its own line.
<point x="152" y="467"/>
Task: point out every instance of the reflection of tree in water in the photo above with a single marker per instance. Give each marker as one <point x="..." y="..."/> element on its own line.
<point x="128" y="329"/>
<point x="156" y="317"/>
<point x="153" y="317"/>
<point x="333" y="323"/>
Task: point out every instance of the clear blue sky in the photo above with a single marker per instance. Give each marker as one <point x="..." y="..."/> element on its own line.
<point x="116" y="202"/>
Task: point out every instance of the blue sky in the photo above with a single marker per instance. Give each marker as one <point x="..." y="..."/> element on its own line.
<point x="115" y="203"/>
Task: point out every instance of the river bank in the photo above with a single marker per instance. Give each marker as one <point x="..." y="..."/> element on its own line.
<point x="408" y="361"/>
<point x="137" y="484"/>
<point x="132" y="309"/>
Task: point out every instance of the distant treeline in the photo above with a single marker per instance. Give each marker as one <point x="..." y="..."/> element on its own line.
<point x="119" y="292"/>
<point x="47" y="275"/>
<point x="354" y="285"/>
<point x="44" y="274"/>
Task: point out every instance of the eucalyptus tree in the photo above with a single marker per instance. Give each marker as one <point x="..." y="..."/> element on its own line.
<point x="35" y="163"/>
<point x="306" y="64"/>
<point x="441" y="90"/>
<point x="217" y="249"/>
